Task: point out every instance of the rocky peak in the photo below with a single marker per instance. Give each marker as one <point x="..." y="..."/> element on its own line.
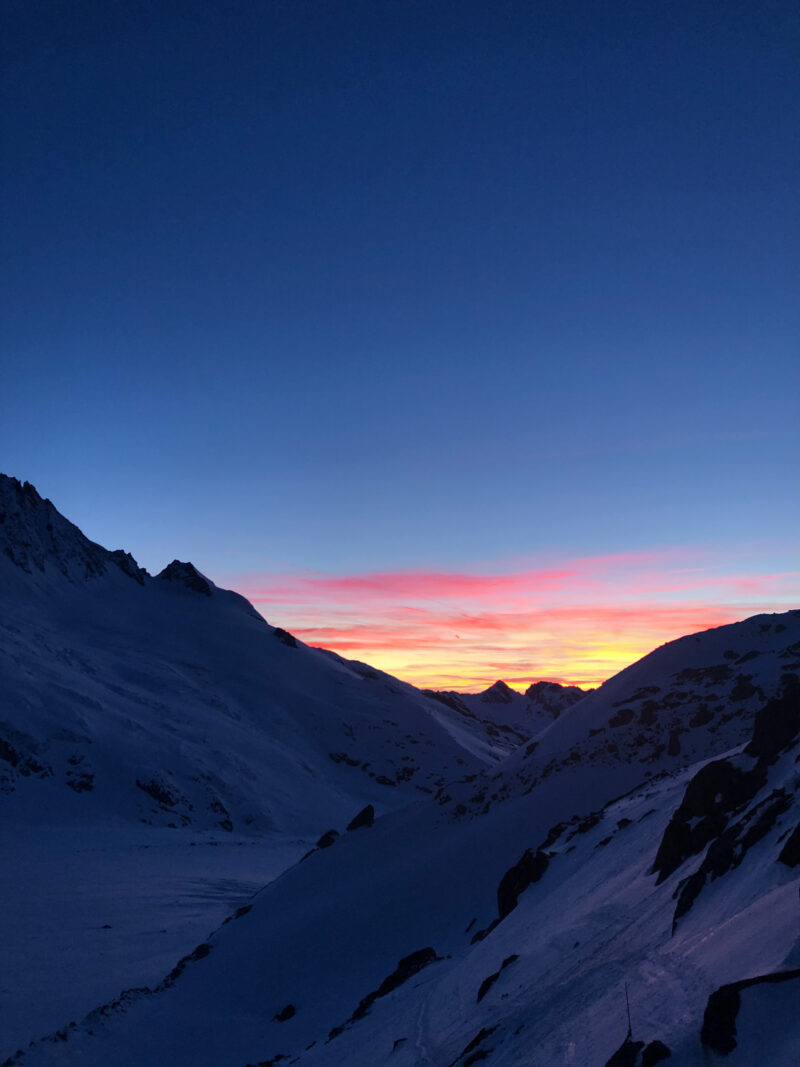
<point x="186" y="574"/>
<point x="499" y="693"/>
<point x="34" y="536"/>
<point x="552" y="697"/>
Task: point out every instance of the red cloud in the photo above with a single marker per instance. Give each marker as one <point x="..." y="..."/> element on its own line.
<point x="580" y="620"/>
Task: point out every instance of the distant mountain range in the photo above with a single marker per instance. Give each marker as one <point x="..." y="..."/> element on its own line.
<point x="467" y="878"/>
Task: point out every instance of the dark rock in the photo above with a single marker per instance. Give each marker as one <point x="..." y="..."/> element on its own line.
<point x="486" y="985"/>
<point x="185" y="574"/>
<point x="489" y="981"/>
<point x="481" y="935"/>
<point x="327" y="839"/>
<point x="719" y="1019"/>
<point x="158" y="791"/>
<point x="586" y="824"/>
<point x="702" y="716"/>
<point x="200" y="953"/>
<point x="128" y="565"/>
<point x="528" y="869"/>
<point x="647" y="716"/>
<point x="729" y="849"/>
<point x="776" y="724"/>
<point x="407" y="967"/>
<point x="674" y="745"/>
<point x="790" y="853"/>
<point x="655" y="1052"/>
<point x="716" y="789"/>
<point x="626" y="1054"/>
<point x="743" y="688"/>
<point x="479" y="1038"/>
<point x="285" y="637"/>
<point x="285" y="1014"/>
<point x="450" y="700"/>
<point x="365" y="818"/>
<point x="622" y="717"/>
<point x="499" y="693"/>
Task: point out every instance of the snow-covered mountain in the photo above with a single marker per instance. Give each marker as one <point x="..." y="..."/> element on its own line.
<point x="510" y="717"/>
<point x="509" y="935"/>
<point x="646" y="834"/>
<point x="163" y="753"/>
<point x="168" y="701"/>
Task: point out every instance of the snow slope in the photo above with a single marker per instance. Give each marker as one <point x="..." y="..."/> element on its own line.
<point x="168" y="701"/>
<point x="492" y="911"/>
<point x="150" y="727"/>
<point x="508" y="934"/>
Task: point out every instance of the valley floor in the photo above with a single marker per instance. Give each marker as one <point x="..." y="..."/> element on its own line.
<point x="89" y="912"/>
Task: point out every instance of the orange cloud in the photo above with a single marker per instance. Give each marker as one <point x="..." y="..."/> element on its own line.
<point x="575" y="620"/>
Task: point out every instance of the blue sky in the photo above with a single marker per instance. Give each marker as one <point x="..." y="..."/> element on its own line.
<point x="372" y="285"/>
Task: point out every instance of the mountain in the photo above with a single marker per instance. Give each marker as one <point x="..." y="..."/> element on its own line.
<point x="164" y="752"/>
<point x="509" y="717"/>
<point x="167" y="701"/>
<point x="510" y="935"/>
<point x="646" y="835"/>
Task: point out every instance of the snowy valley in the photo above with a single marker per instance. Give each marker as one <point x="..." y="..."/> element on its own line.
<point x="223" y="848"/>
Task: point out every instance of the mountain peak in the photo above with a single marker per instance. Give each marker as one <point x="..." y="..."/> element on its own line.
<point x="186" y="574"/>
<point x="499" y="693"/>
<point x="553" y="697"/>
<point x="36" y="537"/>
<point x="34" y="534"/>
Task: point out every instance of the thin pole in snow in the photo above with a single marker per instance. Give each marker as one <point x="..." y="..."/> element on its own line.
<point x="628" y="1006"/>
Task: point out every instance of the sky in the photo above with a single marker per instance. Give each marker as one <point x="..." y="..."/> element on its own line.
<point x="366" y="305"/>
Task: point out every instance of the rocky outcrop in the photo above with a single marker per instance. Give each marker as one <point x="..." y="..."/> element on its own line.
<point x="327" y="839"/>
<point x="406" y="968"/>
<point x="185" y="574"/>
<point x="35" y="537"/>
<point x="364" y="819"/>
<point x="716" y="790"/>
<point x="777" y="723"/>
<point x="499" y="693"/>
<point x="285" y="637"/>
<point x="719" y="1019"/>
<point x="528" y="869"/>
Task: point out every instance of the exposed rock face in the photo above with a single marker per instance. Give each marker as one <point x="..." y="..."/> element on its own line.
<point x="715" y="790"/>
<point x="34" y="536"/>
<point x="528" y="869"/>
<point x="128" y="565"/>
<point x="777" y="723"/>
<point x="790" y="853"/>
<point x="407" y="967"/>
<point x="327" y="839"/>
<point x="553" y="697"/>
<point x="365" y="818"/>
<point x="729" y="849"/>
<point x="285" y="637"/>
<point x="186" y="574"/>
<point x="627" y="1054"/>
<point x="719" y="1019"/>
<point x="499" y="693"/>
<point x="655" y="1053"/>
<point x="490" y="979"/>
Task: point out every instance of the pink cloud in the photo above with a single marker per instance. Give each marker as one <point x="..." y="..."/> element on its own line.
<point x="578" y="619"/>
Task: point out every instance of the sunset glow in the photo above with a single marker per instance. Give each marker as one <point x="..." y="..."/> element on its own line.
<point x="576" y="620"/>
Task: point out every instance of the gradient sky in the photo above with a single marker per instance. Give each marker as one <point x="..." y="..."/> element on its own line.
<point x="320" y="293"/>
